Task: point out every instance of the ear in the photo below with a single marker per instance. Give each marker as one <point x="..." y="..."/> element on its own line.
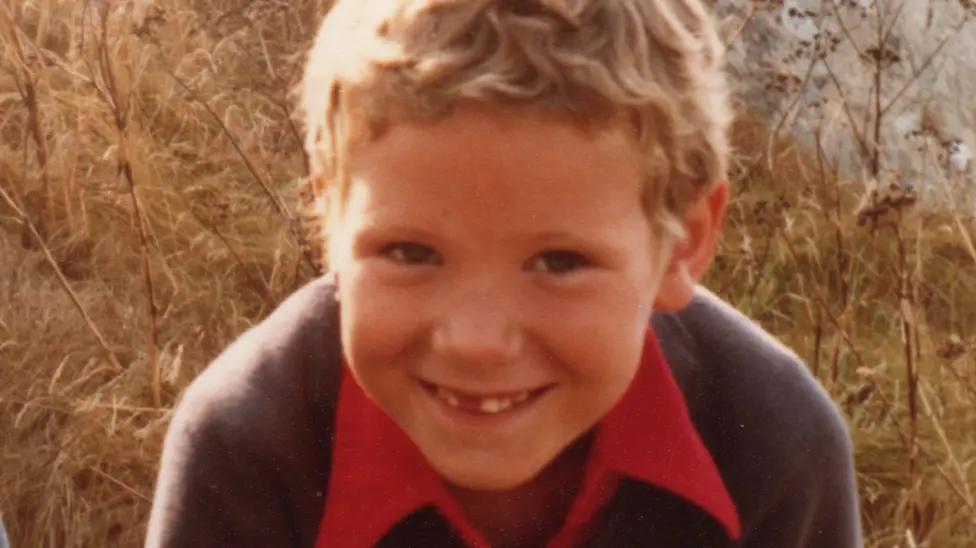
<point x="691" y="256"/>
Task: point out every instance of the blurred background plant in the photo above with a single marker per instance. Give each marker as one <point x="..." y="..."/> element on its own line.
<point x="152" y="207"/>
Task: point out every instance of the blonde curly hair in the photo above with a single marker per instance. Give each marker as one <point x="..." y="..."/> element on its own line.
<point x="656" y="64"/>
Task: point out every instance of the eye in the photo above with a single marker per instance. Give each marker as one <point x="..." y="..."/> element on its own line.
<point x="559" y="261"/>
<point x="407" y="253"/>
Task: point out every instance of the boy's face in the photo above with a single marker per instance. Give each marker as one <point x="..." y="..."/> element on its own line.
<point x="496" y="276"/>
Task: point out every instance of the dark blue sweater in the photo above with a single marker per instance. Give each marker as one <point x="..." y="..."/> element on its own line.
<point x="246" y="458"/>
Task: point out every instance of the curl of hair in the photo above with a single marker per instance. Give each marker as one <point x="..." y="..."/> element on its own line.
<point x="655" y="64"/>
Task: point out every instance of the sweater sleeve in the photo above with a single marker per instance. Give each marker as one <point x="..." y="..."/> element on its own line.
<point x="218" y="484"/>
<point x="817" y="505"/>
<point x="246" y="457"/>
<point x="780" y="441"/>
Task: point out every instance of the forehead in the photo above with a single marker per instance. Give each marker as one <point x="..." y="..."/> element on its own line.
<point x="504" y="167"/>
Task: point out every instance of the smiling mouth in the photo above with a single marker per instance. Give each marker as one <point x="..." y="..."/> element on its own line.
<point x="486" y="404"/>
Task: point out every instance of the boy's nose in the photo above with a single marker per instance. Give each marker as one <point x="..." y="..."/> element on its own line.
<point x="478" y="331"/>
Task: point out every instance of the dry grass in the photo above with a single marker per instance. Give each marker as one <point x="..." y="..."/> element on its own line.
<point x="864" y="305"/>
<point x="150" y="179"/>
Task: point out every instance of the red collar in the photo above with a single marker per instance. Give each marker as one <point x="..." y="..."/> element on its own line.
<point x="379" y="476"/>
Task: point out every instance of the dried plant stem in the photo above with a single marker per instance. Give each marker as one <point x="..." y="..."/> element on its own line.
<point x="53" y="263"/>
<point x="963" y="231"/>
<point x="925" y="65"/>
<point x="27" y="86"/>
<point x="906" y="304"/>
<point x="876" y="150"/>
<point x="124" y="486"/>
<point x="27" y="82"/>
<point x="256" y="281"/>
<point x="272" y="196"/>
<point x="781" y="121"/>
<point x="906" y="310"/>
<point x="862" y="145"/>
<point x="107" y="85"/>
<point x="41" y="150"/>
<point x="962" y="488"/>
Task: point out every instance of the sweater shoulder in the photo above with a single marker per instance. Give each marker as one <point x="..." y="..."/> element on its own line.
<point x="278" y="380"/>
<point x="769" y="424"/>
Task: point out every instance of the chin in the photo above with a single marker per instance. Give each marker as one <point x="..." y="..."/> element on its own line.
<point x="482" y="478"/>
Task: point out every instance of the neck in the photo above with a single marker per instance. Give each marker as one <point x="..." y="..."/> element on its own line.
<point x="533" y="513"/>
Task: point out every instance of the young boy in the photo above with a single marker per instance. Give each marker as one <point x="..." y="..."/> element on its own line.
<point x="519" y="198"/>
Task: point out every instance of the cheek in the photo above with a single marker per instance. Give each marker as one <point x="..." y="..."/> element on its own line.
<point x="377" y="323"/>
<point x="602" y="335"/>
<point x="602" y="383"/>
<point x="611" y="358"/>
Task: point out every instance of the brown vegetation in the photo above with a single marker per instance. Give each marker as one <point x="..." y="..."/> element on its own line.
<point x="150" y="193"/>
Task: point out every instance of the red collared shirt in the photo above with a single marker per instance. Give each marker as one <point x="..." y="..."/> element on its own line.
<point x="379" y="476"/>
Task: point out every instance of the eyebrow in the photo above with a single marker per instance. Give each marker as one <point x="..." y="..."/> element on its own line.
<point x="373" y="227"/>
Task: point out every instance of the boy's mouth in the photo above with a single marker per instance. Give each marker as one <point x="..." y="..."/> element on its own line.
<point x="487" y="404"/>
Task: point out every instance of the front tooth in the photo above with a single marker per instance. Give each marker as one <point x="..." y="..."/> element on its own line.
<point x="494" y="405"/>
<point x="448" y="397"/>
